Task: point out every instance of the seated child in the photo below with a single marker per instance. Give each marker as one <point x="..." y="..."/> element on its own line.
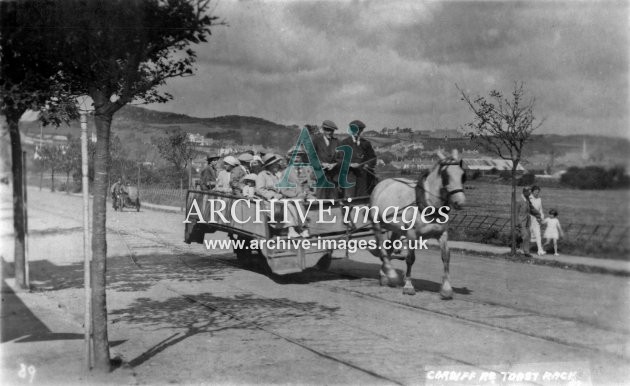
<point x="249" y="185"/>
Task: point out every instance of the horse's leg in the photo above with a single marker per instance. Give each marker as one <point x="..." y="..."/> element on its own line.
<point x="387" y="274"/>
<point x="394" y="236"/>
<point x="446" y="292"/>
<point x="408" y="288"/>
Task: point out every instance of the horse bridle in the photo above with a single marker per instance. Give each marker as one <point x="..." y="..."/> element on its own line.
<point x="444" y="192"/>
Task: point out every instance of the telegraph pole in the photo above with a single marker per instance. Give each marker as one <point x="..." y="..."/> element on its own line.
<point x="87" y="253"/>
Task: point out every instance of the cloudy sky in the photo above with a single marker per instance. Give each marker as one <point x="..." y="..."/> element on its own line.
<point x="396" y="63"/>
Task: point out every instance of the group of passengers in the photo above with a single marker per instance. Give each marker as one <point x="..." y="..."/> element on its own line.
<point x="256" y="175"/>
<point x="252" y="175"/>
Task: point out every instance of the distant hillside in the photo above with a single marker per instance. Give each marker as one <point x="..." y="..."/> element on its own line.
<point x="139" y="114"/>
<point x="139" y="125"/>
<point x="138" y="122"/>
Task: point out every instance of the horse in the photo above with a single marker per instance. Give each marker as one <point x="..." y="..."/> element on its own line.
<point x="442" y="186"/>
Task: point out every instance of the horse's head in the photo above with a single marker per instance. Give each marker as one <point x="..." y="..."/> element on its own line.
<point x="453" y="178"/>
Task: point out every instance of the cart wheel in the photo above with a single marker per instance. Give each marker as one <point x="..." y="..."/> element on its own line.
<point x="324" y="262"/>
<point x="243" y="255"/>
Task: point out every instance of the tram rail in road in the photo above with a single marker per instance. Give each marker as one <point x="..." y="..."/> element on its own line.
<point x="376" y="329"/>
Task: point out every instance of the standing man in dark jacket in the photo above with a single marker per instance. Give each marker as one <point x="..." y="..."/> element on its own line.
<point x="325" y="146"/>
<point x="209" y="174"/>
<point x="362" y="163"/>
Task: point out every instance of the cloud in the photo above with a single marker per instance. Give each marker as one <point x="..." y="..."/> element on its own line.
<point x="397" y="63"/>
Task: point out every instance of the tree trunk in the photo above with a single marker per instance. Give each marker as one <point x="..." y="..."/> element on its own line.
<point x="41" y="178"/>
<point x="102" y="121"/>
<point x="19" y="222"/>
<point x="52" y="179"/>
<point x="513" y="214"/>
<point x="67" y="182"/>
<point x="181" y="190"/>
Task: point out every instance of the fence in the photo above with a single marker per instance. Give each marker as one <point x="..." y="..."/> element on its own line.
<point x="162" y="195"/>
<point x="608" y="234"/>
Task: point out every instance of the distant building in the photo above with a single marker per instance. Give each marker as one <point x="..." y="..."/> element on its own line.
<point x="555" y="176"/>
<point x="199" y="139"/>
<point x="486" y="165"/>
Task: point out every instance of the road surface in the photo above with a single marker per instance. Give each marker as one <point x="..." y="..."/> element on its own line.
<point x="181" y="313"/>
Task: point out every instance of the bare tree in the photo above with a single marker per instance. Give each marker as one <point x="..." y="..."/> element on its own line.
<point x="503" y="126"/>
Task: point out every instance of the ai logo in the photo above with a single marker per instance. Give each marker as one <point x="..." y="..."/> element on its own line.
<point x="305" y="140"/>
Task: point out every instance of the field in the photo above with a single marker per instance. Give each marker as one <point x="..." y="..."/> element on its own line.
<point x="606" y="207"/>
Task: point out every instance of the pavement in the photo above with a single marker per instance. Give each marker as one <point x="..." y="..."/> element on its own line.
<point x="42" y="334"/>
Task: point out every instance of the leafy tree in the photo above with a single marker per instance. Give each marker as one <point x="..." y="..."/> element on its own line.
<point x="53" y="157"/>
<point x="503" y="126"/>
<point x="39" y="165"/>
<point x="387" y="157"/>
<point x="177" y="149"/>
<point x="528" y="179"/>
<point x="71" y="160"/>
<point x="118" y="157"/>
<point x="28" y="80"/>
<point x="313" y="130"/>
<point x="595" y="177"/>
<point x="117" y="51"/>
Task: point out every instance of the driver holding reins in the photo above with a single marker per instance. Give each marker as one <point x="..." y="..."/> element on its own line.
<point x="362" y="164"/>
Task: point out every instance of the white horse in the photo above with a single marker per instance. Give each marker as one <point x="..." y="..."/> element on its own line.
<point x="442" y="186"/>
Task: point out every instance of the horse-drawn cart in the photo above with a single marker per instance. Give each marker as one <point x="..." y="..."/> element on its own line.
<point x="283" y="255"/>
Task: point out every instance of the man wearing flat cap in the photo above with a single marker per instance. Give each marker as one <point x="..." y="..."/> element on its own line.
<point x="208" y="177"/>
<point x="362" y="163"/>
<point x="326" y="148"/>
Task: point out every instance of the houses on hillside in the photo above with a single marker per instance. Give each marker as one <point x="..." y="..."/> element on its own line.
<point x="484" y="165"/>
<point x="199" y="139"/>
<point x="487" y="165"/>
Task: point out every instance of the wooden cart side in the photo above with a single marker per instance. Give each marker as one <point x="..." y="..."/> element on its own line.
<point x="195" y="230"/>
<point x="291" y="259"/>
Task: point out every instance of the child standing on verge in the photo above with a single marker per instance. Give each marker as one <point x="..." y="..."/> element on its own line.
<point x="553" y="230"/>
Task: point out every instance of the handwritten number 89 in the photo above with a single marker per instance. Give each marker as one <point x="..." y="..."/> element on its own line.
<point x="25" y="371"/>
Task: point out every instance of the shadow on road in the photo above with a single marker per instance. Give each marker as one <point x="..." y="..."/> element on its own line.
<point x="345" y="269"/>
<point x="352" y="269"/>
<point x="54" y="231"/>
<point x="207" y="313"/>
<point x="432" y="286"/>
<point x="17" y="319"/>
<point x="122" y="273"/>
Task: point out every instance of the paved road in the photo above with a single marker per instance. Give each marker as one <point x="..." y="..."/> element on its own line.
<point x="184" y="314"/>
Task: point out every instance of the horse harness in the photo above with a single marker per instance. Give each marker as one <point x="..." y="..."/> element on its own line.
<point x="445" y="194"/>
